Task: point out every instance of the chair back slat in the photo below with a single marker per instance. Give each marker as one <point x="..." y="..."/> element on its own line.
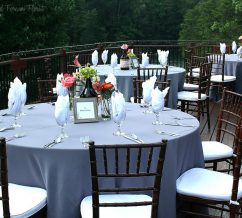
<point x="4" y="178"/>
<point x="129" y="161"/>
<point x="218" y="61"/>
<point x="229" y="116"/>
<point x="105" y="160"/>
<point x="204" y="79"/>
<point x="146" y="73"/>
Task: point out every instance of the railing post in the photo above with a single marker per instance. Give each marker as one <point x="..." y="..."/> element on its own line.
<point x="63" y="63"/>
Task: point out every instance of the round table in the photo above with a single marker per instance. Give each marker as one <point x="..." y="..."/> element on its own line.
<point x="64" y="169"/>
<point x="125" y="80"/>
<point x="233" y="67"/>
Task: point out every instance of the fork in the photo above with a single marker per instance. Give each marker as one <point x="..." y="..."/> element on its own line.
<point x="18" y="135"/>
<point x="167" y="133"/>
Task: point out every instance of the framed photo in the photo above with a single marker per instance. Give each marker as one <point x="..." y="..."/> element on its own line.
<point x="134" y="63"/>
<point x="85" y="110"/>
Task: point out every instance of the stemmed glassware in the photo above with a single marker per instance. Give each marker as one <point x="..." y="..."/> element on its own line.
<point x="62" y="114"/>
<point x="105" y="56"/>
<point x="118" y="111"/>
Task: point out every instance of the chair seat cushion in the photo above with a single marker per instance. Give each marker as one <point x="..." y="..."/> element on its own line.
<point x="24" y="201"/>
<point x="190" y="96"/>
<point x="117" y="212"/>
<point x="207" y="184"/>
<point x="213" y="150"/>
<point x="196" y="72"/>
<point x="218" y="78"/>
<point x="190" y="87"/>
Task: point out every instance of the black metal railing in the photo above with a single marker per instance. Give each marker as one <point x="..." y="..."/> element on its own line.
<point x="46" y="63"/>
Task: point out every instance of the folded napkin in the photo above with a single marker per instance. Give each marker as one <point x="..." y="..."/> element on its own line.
<point x="239" y="51"/>
<point x="163" y="57"/>
<point x="145" y="60"/>
<point x="14" y="96"/>
<point x="62" y="110"/>
<point x="234" y="47"/>
<point x="95" y="58"/>
<point x="60" y="89"/>
<point x="105" y="56"/>
<point x="158" y="100"/>
<point x="118" y="107"/>
<point x="222" y="48"/>
<point x="114" y="60"/>
<point x="111" y="79"/>
<point x="148" y="86"/>
<point x="23" y="94"/>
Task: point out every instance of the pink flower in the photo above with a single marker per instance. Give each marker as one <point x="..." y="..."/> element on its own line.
<point x="76" y="62"/>
<point x="124" y="47"/>
<point x="68" y="80"/>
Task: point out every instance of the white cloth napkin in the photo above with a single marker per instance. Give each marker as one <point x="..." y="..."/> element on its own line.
<point x="222" y="48"/>
<point x="23" y="94"/>
<point x="114" y="60"/>
<point x="163" y="57"/>
<point x="62" y="110"/>
<point x="239" y="51"/>
<point x="60" y="89"/>
<point x="95" y="58"/>
<point x="148" y="86"/>
<point x="118" y="107"/>
<point x="111" y="79"/>
<point x="105" y="56"/>
<point x="14" y="96"/>
<point x="145" y="60"/>
<point x="234" y="47"/>
<point x="158" y="100"/>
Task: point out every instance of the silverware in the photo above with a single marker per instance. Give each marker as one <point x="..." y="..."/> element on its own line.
<point x="18" y="135"/>
<point x="130" y="138"/>
<point x="6" y="128"/>
<point x="31" y="107"/>
<point x="178" y="124"/>
<point x="51" y="144"/>
<point x="182" y="118"/>
<point x="167" y="133"/>
<point x="136" y="137"/>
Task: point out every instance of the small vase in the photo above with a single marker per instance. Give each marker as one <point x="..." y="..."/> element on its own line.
<point x="88" y="91"/>
<point x="106" y="109"/>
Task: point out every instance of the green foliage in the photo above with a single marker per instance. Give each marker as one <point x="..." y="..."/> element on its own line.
<point x="213" y="20"/>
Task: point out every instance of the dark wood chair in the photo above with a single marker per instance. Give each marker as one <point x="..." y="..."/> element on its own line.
<point x="197" y="102"/>
<point x="230" y="115"/>
<point x="146" y="73"/>
<point x="138" y="90"/>
<point x="45" y="90"/>
<point x="218" y="77"/>
<point x="217" y="190"/>
<point x="192" y="72"/>
<point x="19" y="200"/>
<point x="123" y="169"/>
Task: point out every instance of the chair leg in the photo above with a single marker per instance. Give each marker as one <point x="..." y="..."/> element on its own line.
<point x="183" y="105"/>
<point x="199" y="105"/>
<point x="208" y="115"/>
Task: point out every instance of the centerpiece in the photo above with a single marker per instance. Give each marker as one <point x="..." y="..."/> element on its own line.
<point x="105" y="90"/>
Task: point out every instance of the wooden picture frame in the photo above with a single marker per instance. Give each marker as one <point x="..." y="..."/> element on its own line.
<point x="85" y="110"/>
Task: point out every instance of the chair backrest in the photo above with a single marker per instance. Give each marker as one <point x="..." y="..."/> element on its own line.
<point x="146" y="73"/>
<point x="45" y="90"/>
<point x="138" y="90"/>
<point x="4" y="178"/>
<point x="218" y="63"/>
<point x="204" y="79"/>
<point x="122" y="162"/>
<point x="229" y="117"/>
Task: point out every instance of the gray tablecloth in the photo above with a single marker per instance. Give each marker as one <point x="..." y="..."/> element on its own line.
<point x="125" y="80"/>
<point x="64" y="170"/>
<point x="233" y="67"/>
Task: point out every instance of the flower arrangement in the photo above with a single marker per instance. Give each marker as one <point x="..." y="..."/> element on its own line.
<point x="88" y="72"/>
<point x="124" y="46"/>
<point x="104" y="89"/>
<point x="131" y="54"/>
<point x="68" y="80"/>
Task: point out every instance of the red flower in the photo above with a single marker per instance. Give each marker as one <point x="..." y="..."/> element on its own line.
<point x="76" y="62"/>
<point x="107" y="86"/>
<point x="68" y="80"/>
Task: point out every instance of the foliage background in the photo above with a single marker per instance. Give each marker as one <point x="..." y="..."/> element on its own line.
<point x="35" y="24"/>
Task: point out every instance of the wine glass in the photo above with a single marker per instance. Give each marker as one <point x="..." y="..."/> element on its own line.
<point x="119" y="132"/>
<point x="105" y="56"/>
<point x="147" y="100"/>
<point x="15" y="111"/>
<point x="62" y="114"/>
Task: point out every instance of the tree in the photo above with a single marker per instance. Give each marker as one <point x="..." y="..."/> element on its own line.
<point x="213" y="20"/>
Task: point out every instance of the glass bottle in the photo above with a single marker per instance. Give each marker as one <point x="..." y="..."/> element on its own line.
<point x="88" y="91"/>
<point x="124" y="61"/>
